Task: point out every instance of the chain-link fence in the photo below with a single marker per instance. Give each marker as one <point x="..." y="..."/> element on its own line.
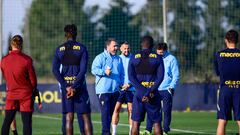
<point x="195" y="29"/>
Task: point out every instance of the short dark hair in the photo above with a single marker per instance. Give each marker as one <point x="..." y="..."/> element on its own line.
<point x="232" y="36"/>
<point x="147" y="42"/>
<point x="71" y="30"/>
<point x="108" y="41"/>
<point x="125" y="42"/>
<point x="17" y="41"/>
<point x="162" y="46"/>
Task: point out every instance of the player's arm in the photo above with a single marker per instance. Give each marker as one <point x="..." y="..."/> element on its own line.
<point x="33" y="79"/>
<point x="80" y="78"/>
<point x="216" y="64"/>
<point x="55" y="69"/>
<point x="97" y="66"/>
<point x="122" y="73"/>
<point x="175" y="73"/>
<point x="159" y="79"/>
<point x="32" y="74"/>
<point x="132" y="77"/>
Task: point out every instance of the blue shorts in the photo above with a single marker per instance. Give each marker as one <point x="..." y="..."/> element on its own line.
<point x="125" y="97"/>
<point x="79" y="103"/>
<point x="228" y="101"/>
<point x="153" y="108"/>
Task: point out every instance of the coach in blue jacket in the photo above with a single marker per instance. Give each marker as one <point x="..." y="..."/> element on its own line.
<point x="109" y="72"/>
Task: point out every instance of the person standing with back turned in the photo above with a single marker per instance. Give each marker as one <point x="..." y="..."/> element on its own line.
<point x="73" y="57"/>
<point x="21" y="81"/>
<point x="146" y="72"/>
<point x="227" y="65"/>
<point x="167" y="87"/>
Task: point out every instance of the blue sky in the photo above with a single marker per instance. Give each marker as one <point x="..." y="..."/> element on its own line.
<point x="13" y="17"/>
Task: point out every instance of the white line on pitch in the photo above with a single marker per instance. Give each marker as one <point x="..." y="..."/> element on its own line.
<point x="125" y="125"/>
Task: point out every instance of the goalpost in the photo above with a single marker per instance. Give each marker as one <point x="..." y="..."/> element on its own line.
<point x="1" y="42"/>
<point x="164" y="21"/>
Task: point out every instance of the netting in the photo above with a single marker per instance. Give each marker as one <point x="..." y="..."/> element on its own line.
<point x="195" y="29"/>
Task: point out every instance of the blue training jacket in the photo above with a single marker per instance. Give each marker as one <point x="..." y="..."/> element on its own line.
<point x="171" y="75"/>
<point x="73" y="57"/>
<point x="146" y="72"/>
<point x="125" y="61"/>
<point x="104" y="83"/>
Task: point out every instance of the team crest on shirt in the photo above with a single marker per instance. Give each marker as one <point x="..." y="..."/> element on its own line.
<point x="137" y="56"/>
<point x="76" y="47"/>
<point x="62" y="48"/>
<point x="152" y="55"/>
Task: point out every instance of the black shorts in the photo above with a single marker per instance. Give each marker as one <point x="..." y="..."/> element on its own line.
<point x="125" y="97"/>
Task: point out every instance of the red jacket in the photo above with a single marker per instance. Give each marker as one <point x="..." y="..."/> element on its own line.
<point x="18" y="71"/>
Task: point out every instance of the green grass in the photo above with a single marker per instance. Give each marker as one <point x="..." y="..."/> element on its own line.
<point x="183" y="123"/>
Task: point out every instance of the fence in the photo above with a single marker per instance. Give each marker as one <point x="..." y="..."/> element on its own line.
<point x="195" y="28"/>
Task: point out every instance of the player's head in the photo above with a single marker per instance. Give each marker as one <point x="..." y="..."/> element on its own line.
<point x="147" y="42"/>
<point x="16" y="42"/>
<point x="161" y="48"/>
<point x="231" y="37"/>
<point x="70" y="31"/>
<point x="111" y="45"/>
<point x="125" y="49"/>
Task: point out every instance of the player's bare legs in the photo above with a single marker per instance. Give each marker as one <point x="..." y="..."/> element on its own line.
<point x="13" y="124"/>
<point x="238" y="122"/>
<point x="135" y="128"/>
<point x="87" y="124"/>
<point x="157" y="129"/>
<point x="115" y="117"/>
<point x="14" y="127"/>
<point x="129" y="107"/>
<point x="221" y="127"/>
<point x="69" y="123"/>
<point x="117" y="109"/>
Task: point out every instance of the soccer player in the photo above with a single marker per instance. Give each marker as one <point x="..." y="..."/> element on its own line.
<point x="227" y="65"/>
<point x="73" y="57"/>
<point x="109" y="72"/>
<point x="167" y="87"/>
<point x="13" y="124"/>
<point x="126" y="93"/>
<point x="146" y="72"/>
<point x="80" y="123"/>
<point x="79" y="116"/>
<point x="18" y="71"/>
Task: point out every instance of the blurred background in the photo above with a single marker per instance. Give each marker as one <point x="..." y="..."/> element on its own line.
<point x="195" y="30"/>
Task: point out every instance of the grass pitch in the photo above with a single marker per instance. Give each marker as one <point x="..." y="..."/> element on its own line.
<point x="183" y="123"/>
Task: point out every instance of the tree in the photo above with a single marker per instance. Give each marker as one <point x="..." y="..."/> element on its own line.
<point x="116" y="23"/>
<point x="233" y="13"/>
<point x="150" y="19"/>
<point x="46" y="20"/>
<point x="184" y="33"/>
<point x="213" y="36"/>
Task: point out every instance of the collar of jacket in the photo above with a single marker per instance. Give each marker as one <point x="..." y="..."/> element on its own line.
<point x="108" y="54"/>
<point x="166" y="54"/>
